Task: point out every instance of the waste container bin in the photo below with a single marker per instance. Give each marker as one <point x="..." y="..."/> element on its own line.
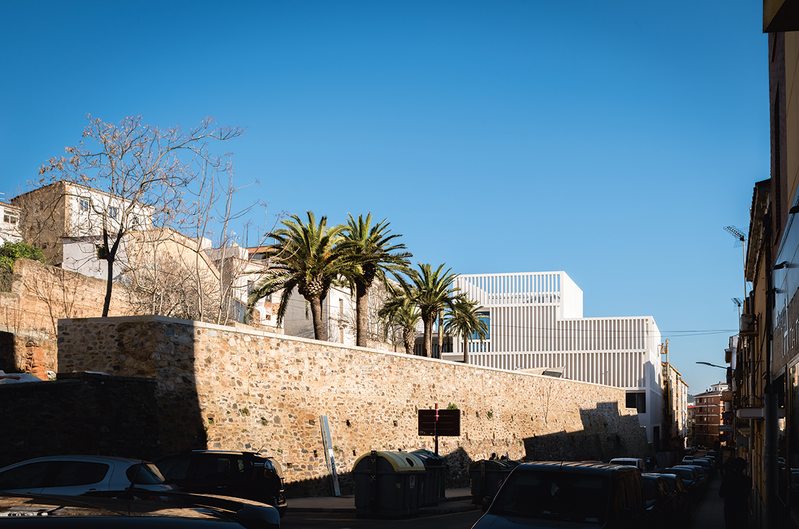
<point x="387" y="484"/>
<point x="433" y="482"/>
<point x="487" y="475"/>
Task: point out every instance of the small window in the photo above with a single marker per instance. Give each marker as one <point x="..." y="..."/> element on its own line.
<point x="112" y="212"/>
<point x="83" y="204"/>
<point x="9" y="217"/>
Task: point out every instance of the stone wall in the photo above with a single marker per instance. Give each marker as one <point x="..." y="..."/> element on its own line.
<point x="255" y="390"/>
<point x="40" y="296"/>
<point x="84" y="413"/>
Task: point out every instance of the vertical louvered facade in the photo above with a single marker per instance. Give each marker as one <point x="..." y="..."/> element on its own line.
<point x="535" y="321"/>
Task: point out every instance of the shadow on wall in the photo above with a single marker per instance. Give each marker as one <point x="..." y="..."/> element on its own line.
<point x="606" y="434"/>
<point x="90" y="414"/>
<point x="8" y="361"/>
<point x="164" y="354"/>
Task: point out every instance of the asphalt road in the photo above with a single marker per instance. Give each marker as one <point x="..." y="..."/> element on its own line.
<point x="335" y="520"/>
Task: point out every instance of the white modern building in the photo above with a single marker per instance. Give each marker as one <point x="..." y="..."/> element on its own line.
<point x="536" y="321"/>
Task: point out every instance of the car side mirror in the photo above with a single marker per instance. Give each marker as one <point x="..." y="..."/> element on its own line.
<point x="486" y="503"/>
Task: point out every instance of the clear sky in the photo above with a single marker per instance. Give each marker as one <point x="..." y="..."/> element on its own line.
<point x="611" y="140"/>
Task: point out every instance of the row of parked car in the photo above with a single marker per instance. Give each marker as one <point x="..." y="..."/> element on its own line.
<point x="606" y="495"/>
<point x="241" y="475"/>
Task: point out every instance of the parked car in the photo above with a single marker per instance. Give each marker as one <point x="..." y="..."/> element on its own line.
<point x="228" y="473"/>
<point x="682" y="498"/>
<point x="661" y="508"/>
<point x="702" y="477"/>
<point x="35" y="511"/>
<point x="549" y="494"/>
<point x="636" y="462"/>
<point x="690" y="478"/>
<point x="707" y="464"/>
<point x="74" y="475"/>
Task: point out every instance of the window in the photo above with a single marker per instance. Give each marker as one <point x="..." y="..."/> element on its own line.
<point x="71" y="473"/>
<point x="637" y="400"/>
<point x="28" y="476"/>
<point x="112" y="212"/>
<point x="83" y="204"/>
<point x="9" y="217"/>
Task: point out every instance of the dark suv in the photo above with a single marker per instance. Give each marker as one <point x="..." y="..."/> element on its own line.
<point x="239" y="474"/>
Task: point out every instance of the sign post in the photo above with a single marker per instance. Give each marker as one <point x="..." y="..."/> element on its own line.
<point x="446" y="423"/>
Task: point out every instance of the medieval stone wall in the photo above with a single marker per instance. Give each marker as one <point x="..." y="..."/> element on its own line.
<point x="41" y="295"/>
<point x="256" y="390"/>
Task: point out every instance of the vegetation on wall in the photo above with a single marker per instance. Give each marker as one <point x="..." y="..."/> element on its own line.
<point x="9" y="253"/>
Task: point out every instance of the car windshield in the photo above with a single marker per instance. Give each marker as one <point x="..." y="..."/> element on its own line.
<point x="553" y="495"/>
<point x="144" y="474"/>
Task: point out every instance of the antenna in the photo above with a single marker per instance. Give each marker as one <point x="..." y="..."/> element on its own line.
<point x="739" y="234"/>
<point x="738" y="303"/>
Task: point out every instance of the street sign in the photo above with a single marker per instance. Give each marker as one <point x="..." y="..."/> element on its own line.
<point x="725" y="428"/>
<point x="449" y="422"/>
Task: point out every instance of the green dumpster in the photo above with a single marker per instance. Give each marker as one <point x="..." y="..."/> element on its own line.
<point x="433" y="484"/>
<point x="387" y="484"/>
<point x="486" y="477"/>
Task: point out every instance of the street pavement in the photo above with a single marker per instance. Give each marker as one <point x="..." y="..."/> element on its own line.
<point x="709" y="515"/>
<point x="457" y="500"/>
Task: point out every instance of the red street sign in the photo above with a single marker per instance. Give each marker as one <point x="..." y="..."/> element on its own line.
<point x="449" y="422"/>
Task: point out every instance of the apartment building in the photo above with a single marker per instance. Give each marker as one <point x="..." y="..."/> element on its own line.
<point x="9" y="224"/>
<point x="709" y="410"/>
<point x="64" y="209"/>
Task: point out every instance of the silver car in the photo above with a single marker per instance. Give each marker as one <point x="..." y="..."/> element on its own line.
<point x="75" y="475"/>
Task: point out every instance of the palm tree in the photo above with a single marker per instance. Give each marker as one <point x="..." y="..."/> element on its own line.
<point x="431" y="291"/>
<point x="306" y="256"/>
<point x="399" y="310"/>
<point x="463" y="319"/>
<point x="372" y="253"/>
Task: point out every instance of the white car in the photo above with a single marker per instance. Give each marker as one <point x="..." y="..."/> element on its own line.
<point x="636" y="462"/>
<point x="75" y="475"/>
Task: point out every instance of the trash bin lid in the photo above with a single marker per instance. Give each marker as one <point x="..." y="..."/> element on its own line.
<point x="399" y="461"/>
<point x="429" y="458"/>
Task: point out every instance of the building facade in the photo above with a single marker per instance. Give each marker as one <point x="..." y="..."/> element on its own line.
<point x="536" y="321"/>
<point x="675" y="407"/>
<point x="708" y="412"/>
<point x="66" y="209"/>
<point x="9" y="224"/>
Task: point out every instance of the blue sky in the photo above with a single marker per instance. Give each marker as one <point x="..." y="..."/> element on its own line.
<point x="612" y="140"/>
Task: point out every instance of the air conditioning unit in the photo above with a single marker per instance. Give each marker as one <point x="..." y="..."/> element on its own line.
<point x="748" y="324"/>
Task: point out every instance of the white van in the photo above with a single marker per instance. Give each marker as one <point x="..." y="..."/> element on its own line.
<point x="636" y="462"/>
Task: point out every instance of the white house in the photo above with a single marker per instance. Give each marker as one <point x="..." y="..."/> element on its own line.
<point x="535" y="321"/>
<point x="9" y="224"/>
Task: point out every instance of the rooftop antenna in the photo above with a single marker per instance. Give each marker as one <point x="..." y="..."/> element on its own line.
<point x="738" y="303"/>
<point x="739" y="234"/>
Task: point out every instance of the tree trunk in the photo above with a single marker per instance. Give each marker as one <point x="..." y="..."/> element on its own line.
<point x="465" y="348"/>
<point x="428" y="336"/>
<point x="408" y="339"/>
<point x="361" y="313"/>
<point x="319" y="331"/>
<point x="440" y="335"/>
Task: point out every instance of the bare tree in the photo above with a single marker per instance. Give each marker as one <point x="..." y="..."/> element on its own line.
<point x="139" y="167"/>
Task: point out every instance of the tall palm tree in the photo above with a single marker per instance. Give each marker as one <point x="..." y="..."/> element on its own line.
<point x="433" y="292"/>
<point x="399" y="310"/>
<point x="372" y="253"/>
<point x="464" y="320"/>
<point x="305" y="256"/>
